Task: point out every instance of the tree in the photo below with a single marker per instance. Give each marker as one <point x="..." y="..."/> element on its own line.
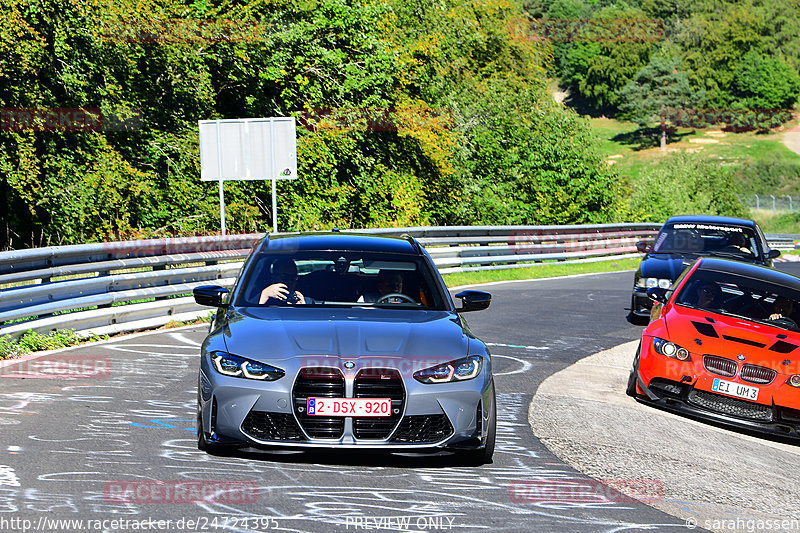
<point x="656" y="88"/>
<point x="765" y="82"/>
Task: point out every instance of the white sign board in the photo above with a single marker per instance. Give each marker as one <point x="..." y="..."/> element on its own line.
<point x="248" y="149"/>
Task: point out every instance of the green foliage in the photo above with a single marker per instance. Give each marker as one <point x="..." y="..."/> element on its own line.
<point x="597" y="71"/>
<point x="461" y="84"/>
<point x="656" y="88"/>
<point x="765" y="82"/>
<point x="9" y="348"/>
<point x="32" y="341"/>
<point x="773" y="174"/>
<point x="685" y="184"/>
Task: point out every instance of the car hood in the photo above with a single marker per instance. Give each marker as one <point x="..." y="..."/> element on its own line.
<point x="731" y="337"/>
<point x="665" y="266"/>
<point x="362" y="335"/>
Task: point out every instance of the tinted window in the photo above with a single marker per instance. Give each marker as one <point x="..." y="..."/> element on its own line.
<point x="706" y="239"/>
<point x="337" y="279"/>
<point x="748" y="298"/>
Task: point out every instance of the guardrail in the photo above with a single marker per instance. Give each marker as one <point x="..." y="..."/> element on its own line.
<point x="108" y="288"/>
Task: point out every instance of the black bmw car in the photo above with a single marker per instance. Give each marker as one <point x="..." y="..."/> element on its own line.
<point x="681" y="240"/>
<point x="344" y="341"/>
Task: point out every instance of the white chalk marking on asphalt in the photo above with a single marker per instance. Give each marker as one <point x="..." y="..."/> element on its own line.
<point x="8" y="478"/>
<point x="180" y="338"/>
<point x="525" y="365"/>
<point x="524" y="347"/>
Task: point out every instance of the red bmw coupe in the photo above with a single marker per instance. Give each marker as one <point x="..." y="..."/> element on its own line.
<point x="723" y="344"/>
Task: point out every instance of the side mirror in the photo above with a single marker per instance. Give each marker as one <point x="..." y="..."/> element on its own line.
<point x="643" y="246"/>
<point x="474" y="300"/>
<point x="773" y="254"/>
<point x="657" y="294"/>
<point x="210" y="295"/>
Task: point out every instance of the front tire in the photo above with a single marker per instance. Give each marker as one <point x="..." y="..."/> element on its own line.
<point x="630" y="390"/>
<point x="211" y="448"/>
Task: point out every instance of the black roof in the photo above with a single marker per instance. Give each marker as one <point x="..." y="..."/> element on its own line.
<point x="709" y="219"/>
<point x="336" y="241"/>
<point x="749" y="270"/>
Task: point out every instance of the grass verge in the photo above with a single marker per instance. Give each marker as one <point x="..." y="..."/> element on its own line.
<point x="541" y="270"/>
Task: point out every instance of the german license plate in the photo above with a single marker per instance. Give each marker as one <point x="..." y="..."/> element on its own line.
<point x="349" y="406"/>
<point x="735" y="389"/>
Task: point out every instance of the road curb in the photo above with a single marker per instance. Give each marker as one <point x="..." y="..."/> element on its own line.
<point x="709" y="474"/>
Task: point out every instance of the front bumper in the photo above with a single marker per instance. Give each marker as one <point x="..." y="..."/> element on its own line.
<point x="427" y="417"/>
<point x="685" y="388"/>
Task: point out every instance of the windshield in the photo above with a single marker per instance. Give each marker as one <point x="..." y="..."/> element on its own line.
<point x="340" y="279"/>
<point x="710" y="239"/>
<point x="751" y="299"/>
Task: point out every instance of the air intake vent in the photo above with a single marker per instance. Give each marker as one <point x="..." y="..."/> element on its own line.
<point x="318" y="383"/>
<point x="705" y="329"/>
<point x="783" y="347"/>
<point x="720" y="366"/>
<point x="378" y="383"/>
<point x="744" y="341"/>
<point x="757" y="374"/>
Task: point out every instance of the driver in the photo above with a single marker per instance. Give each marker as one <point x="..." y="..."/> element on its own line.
<point x="738" y="243"/>
<point x="782" y="308"/>
<point x="388" y="282"/>
<point x="284" y="273"/>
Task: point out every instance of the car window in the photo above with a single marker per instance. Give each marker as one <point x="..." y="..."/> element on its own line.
<point x="713" y="239"/>
<point x="752" y="299"/>
<point x="344" y="279"/>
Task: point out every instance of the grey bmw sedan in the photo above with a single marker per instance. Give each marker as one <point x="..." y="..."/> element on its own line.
<point x="340" y="340"/>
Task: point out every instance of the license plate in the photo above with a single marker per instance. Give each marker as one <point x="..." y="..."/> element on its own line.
<point x="349" y="406"/>
<point x="735" y="389"/>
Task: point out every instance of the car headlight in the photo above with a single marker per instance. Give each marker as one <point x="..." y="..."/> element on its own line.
<point x="670" y="349"/>
<point x="460" y="370"/>
<point x="641" y="283"/>
<point x="794" y="380"/>
<point x="661" y="283"/>
<point x="239" y="367"/>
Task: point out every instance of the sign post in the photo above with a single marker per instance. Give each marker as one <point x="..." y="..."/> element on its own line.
<point x="248" y="149"/>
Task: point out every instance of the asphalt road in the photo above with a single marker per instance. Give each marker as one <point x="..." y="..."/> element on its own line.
<point x="69" y="444"/>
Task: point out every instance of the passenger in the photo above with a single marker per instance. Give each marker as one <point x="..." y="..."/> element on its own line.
<point x="388" y="282"/>
<point x="284" y="275"/>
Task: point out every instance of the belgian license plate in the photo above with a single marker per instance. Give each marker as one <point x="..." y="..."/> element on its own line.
<point x="735" y="389"/>
<point x="349" y="406"/>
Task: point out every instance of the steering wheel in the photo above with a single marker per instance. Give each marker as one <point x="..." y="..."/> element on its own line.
<point x="386" y="297"/>
<point x="785" y="322"/>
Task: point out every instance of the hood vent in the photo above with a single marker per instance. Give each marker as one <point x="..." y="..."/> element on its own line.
<point x="743" y="341"/>
<point x="705" y="329"/>
<point x="783" y="347"/>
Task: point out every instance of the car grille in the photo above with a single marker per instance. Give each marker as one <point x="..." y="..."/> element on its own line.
<point x="731" y="406"/>
<point x="318" y="383"/>
<point x="423" y="428"/>
<point x="719" y="365"/>
<point x="272" y="426"/>
<point x="378" y="383"/>
<point x="757" y="374"/>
